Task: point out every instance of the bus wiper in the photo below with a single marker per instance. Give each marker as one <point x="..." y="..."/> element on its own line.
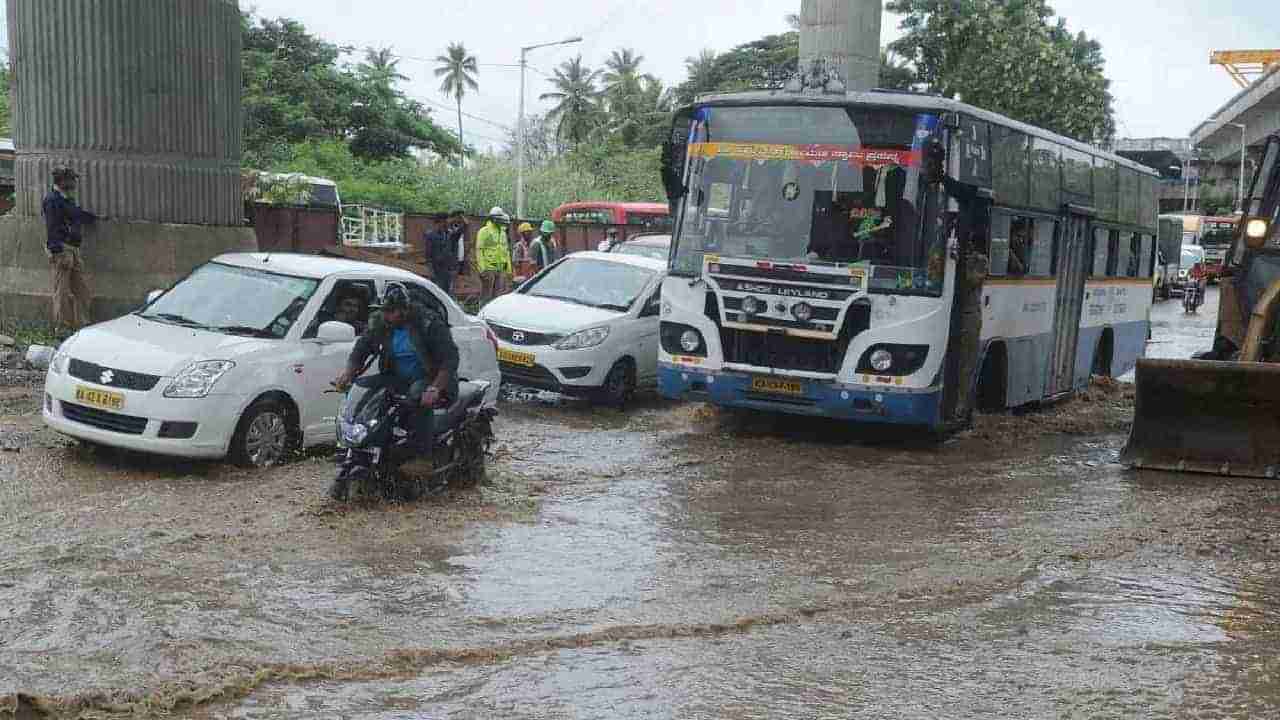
<point x="245" y="330"/>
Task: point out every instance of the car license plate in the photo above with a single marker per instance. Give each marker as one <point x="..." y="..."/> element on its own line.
<point x="776" y="386"/>
<point x="99" y="398"/>
<point x="515" y="358"/>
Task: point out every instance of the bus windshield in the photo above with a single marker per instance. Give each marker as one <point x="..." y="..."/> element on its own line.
<point x="811" y="184"/>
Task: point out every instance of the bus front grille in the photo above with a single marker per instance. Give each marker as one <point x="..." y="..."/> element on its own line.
<point x="781" y="351"/>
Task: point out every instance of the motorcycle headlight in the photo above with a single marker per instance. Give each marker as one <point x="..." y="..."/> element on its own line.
<point x="584" y="339"/>
<point x="198" y="379"/>
<point x="354" y="433"/>
<point x="881" y="360"/>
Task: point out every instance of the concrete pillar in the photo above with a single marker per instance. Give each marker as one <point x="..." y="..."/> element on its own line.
<point x="141" y="97"/>
<point x="846" y="33"/>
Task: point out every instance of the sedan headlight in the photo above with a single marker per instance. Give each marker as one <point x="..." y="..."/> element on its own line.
<point x="198" y="379"/>
<point x="61" y="358"/>
<point x="583" y="339"/>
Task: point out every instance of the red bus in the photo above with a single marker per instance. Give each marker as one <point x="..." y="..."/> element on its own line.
<point x="653" y="217"/>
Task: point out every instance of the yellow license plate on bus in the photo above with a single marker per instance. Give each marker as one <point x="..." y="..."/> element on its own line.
<point x="515" y="358"/>
<point x="99" y="398"/>
<point x="776" y="386"/>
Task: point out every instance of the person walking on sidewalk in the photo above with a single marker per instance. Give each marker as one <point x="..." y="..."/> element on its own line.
<point x="493" y="258"/>
<point x="63" y="220"/>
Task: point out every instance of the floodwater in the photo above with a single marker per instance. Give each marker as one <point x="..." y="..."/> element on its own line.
<point x="671" y="561"/>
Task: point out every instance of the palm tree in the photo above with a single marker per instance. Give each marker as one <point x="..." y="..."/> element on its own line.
<point x="577" y="100"/>
<point x="458" y="68"/>
<point x="381" y="64"/>
<point x="702" y="76"/>
<point x="623" y="71"/>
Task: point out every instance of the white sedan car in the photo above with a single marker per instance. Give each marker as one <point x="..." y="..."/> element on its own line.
<point x="587" y="325"/>
<point x="235" y="360"/>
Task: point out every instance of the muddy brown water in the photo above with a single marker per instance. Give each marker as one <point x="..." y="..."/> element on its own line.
<point x="671" y="561"/>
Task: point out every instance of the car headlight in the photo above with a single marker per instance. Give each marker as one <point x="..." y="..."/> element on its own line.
<point x="61" y="358"/>
<point x="584" y="339"/>
<point x="881" y="360"/>
<point x="354" y="433"/>
<point x="198" y="379"/>
<point x="802" y="312"/>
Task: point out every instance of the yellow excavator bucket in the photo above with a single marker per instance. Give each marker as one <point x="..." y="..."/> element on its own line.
<point x="1206" y="416"/>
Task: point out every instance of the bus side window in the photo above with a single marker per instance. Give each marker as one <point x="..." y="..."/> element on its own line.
<point x="1114" y="260"/>
<point x="1021" y="238"/>
<point x="999" y="254"/>
<point x="1042" y="249"/>
<point x="1146" y="251"/>
<point x="1101" y="251"/>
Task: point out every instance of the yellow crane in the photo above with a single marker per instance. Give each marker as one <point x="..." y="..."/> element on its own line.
<point x="1244" y="66"/>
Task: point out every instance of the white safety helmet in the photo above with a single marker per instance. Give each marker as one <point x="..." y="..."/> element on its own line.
<point x="500" y="215"/>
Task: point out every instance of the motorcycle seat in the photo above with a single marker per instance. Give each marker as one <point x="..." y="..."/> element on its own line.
<point x="469" y="395"/>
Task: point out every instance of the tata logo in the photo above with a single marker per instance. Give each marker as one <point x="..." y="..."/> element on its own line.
<point x="517" y="337"/>
<point x="107" y="377"/>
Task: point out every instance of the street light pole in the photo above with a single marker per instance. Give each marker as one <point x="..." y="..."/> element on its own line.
<point x="524" y="63"/>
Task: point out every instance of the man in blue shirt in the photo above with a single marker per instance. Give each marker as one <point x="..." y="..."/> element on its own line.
<point x="415" y="345"/>
<point x="63" y="219"/>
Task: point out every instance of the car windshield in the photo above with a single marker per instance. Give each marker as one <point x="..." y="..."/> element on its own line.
<point x="234" y="300"/>
<point x="591" y="282"/>
<point x="807" y="184"/>
<point x="1191" y="257"/>
<point x="639" y="249"/>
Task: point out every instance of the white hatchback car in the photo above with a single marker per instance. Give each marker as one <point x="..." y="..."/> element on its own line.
<point x="587" y="325"/>
<point x="236" y="359"/>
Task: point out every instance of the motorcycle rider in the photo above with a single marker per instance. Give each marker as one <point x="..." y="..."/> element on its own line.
<point x="1194" y="294"/>
<point x="416" y="347"/>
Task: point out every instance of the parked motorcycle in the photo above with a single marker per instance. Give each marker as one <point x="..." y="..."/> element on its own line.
<point x="375" y="428"/>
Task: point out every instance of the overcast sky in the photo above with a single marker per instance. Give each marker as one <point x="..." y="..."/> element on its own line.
<point x="1157" y="50"/>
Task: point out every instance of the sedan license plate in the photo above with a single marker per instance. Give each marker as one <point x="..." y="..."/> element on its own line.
<point x="99" y="398"/>
<point x="776" y="386"/>
<point x="515" y="358"/>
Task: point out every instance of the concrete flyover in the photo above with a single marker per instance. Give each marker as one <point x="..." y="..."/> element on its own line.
<point x="1258" y="109"/>
<point x="142" y="99"/>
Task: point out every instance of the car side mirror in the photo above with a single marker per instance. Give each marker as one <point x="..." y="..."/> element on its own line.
<point x="154" y="295"/>
<point x="652" y="307"/>
<point x="334" y="333"/>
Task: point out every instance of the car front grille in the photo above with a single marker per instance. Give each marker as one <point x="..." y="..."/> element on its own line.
<point x="516" y="336"/>
<point x="123" y="379"/>
<point x="103" y="420"/>
<point x="536" y="376"/>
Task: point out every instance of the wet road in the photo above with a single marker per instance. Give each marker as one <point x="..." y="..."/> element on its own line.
<point x="669" y="562"/>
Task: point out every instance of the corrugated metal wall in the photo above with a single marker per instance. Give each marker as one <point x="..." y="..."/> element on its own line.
<point x="141" y="97"/>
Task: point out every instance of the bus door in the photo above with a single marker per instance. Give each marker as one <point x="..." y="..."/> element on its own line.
<point x="1072" y="270"/>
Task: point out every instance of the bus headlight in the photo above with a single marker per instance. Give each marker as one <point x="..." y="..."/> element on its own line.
<point x="690" y="341"/>
<point x="752" y="306"/>
<point x="881" y="360"/>
<point x="893" y="360"/>
<point x="802" y="311"/>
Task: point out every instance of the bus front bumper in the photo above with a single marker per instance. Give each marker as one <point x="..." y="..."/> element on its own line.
<point x="817" y="399"/>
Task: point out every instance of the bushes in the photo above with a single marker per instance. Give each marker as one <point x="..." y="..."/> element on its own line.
<point x="599" y="173"/>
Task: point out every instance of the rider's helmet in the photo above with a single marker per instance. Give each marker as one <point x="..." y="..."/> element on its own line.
<point x="395" y="298"/>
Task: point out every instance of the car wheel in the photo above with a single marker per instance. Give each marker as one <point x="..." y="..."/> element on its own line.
<point x="263" y="437"/>
<point x="619" y="384"/>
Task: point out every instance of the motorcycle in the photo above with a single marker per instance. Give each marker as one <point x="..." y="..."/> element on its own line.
<point x="1192" y="297"/>
<point x="375" y="439"/>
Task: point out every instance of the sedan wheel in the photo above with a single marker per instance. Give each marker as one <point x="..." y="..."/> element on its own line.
<point x="263" y="438"/>
<point x="619" y="385"/>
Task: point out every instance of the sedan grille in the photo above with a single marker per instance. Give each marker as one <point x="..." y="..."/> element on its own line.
<point x="111" y="377"/>
<point x="516" y="336"/>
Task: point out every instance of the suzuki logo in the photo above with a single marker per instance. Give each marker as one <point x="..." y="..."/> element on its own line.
<point x="107" y="377"/>
<point x="517" y="336"/>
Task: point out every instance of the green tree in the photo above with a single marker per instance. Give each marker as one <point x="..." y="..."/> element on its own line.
<point x="577" y="111"/>
<point x="6" y="119"/>
<point x="458" y="69"/>
<point x="1009" y="56"/>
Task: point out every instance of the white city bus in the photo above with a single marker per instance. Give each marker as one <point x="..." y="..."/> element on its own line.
<point x="815" y="257"/>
